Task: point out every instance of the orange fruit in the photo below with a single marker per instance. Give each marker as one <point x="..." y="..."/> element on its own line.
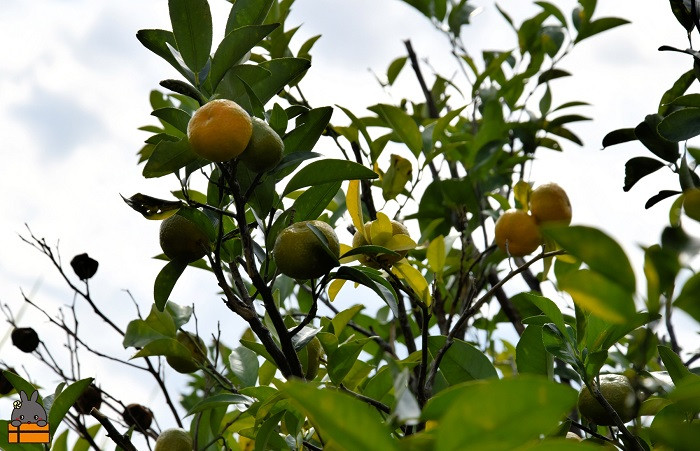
<point x="618" y="391"/>
<point x="265" y="148"/>
<point x="549" y="203"/>
<point x="300" y="254"/>
<point x="517" y="233"/>
<point x="219" y="130"/>
<point x="181" y="239"/>
<point x="379" y="260"/>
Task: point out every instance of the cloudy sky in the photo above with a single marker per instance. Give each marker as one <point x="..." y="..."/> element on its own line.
<point x="74" y="86"/>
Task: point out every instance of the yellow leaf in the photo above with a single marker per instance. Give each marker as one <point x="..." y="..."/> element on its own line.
<point x="354" y="205"/>
<point x="345" y="248"/>
<point x="334" y="288"/>
<point x="414" y="279"/>
<point x="400" y="242"/>
<point x="394" y="180"/>
<point x="436" y="254"/>
<point x="521" y="192"/>
<point x="381" y="230"/>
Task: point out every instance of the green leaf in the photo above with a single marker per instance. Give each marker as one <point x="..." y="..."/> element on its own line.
<point x="219" y="400"/>
<point x="244" y="364"/>
<point x="596" y="249"/>
<point x="559" y="345"/>
<point x="266" y="433"/>
<point x="598" y="26"/>
<point x="688" y="298"/>
<point x="601" y="334"/>
<point x="83" y="445"/>
<point x="674" y="365"/>
<point x="502" y="413"/>
<point x="639" y="167"/>
<point x="549" y="308"/>
<point x="326" y="171"/>
<point x="184" y="88"/>
<point x="647" y="132"/>
<point x="247" y="12"/>
<point x="157" y="41"/>
<point x="681" y="125"/>
<point x="531" y="355"/>
<point x="683" y="15"/>
<point x="599" y="295"/>
<point x="403" y="125"/>
<point x="342" y="359"/>
<point x="192" y="28"/>
<point x="619" y="136"/>
<point x="340" y="320"/>
<point x="64" y="401"/>
<point x="311" y="203"/>
<point x="173" y="116"/>
<point x="552" y="74"/>
<point x="359" y="427"/>
<point x="309" y="129"/>
<point x="168" y="157"/>
<point x="554" y="11"/>
<point x="663" y="194"/>
<point x="234" y="47"/>
<point x="158" y="324"/>
<point x="371" y="279"/>
<point x="395" y="68"/>
<point x="165" y="282"/>
<point x="462" y="362"/>
<point x="679" y="88"/>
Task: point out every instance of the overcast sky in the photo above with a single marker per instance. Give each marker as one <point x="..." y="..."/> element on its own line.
<point x="74" y="85"/>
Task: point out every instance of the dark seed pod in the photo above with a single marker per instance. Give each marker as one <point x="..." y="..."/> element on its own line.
<point x="91" y="397"/>
<point x="138" y="416"/>
<point x="25" y="338"/>
<point x="84" y="266"/>
<point x="5" y="385"/>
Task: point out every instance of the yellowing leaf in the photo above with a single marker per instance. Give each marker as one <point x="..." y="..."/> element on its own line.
<point x="414" y="279"/>
<point x="394" y="180"/>
<point x="521" y="192"/>
<point x="381" y="230"/>
<point x="345" y="248"/>
<point x="436" y="254"/>
<point x="354" y="205"/>
<point x="400" y="242"/>
<point x="334" y="288"/>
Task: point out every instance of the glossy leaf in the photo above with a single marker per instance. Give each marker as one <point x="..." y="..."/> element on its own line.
<point x="165" y="282"/>
<point x="173" y="116"/>
<point x="531" y="355"/>
<point x="311" y="203"/>
<point x="599" y="295"/>
<point x="681" y="125"/>
<point x="342" y="359"/>
<point x="674" y="365"/>
<point x="158" y="41"/>
<point x="596" y="249"/>
<point x="64" y="401"/>
<point x="678" y="89"/>
<point x="502" y="413"/>
<point x="326" y="171"/>
<point x="639" y="167"/>
<point x="395" y="68"/>
<point x="247" y="12"/>
<point x="311" y="126"/>
<point x="192" y="28"/>
<point x="549" y="308"/>
<point x="234" y="47"/>
<point x="168" y="157"/>
<point x="461" y="363"/>
<point x="647" y="132"/>
<point x="359" y="427"/>
<point x="403" y="125"/>
<point x="244" y="364"/>
<point x="372" y="280"/>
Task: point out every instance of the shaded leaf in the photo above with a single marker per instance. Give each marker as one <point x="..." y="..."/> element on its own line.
<point x="681" y="125"/>
<point x="165" y="282"/>
<point x="647" y="132"/>
<point x="326" y="171"/>
<point x="192" y="28"/>
<point x="619" y="136"/>
<point x="639" y="167"/>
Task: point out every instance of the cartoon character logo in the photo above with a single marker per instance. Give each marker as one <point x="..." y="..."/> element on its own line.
<point x="29" y="422"/>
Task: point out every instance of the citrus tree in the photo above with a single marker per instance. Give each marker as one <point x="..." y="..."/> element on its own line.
<point x="433" y="194"/>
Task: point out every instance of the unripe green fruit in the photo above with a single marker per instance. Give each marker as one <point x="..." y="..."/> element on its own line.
<point x="264" y="149"/>
<point x="313" y="358"/>
<point x="197" y="349"/>
<point x="619" y="393"/>
<point x="174" y="439"/>
<point x="299" y="253"/>
<point x="182" y="240"/>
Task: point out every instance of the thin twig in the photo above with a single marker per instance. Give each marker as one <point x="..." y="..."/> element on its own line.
<point x="122" y="440"/>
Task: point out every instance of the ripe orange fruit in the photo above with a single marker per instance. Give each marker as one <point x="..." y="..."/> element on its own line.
<point x="378" y="260"/>
<point x="517" y="233"/>
<point x="181" y="239"/>
<point x="549" y="203"/>
<point x="299" y="253"/>
<point x="174" y="439"/>
<point x="220" y="130"/>
<point x="265" y="148"/>
<point x="618" y="391"/>
<point x="691" y="203"/>
<point x="197" y="348"/>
